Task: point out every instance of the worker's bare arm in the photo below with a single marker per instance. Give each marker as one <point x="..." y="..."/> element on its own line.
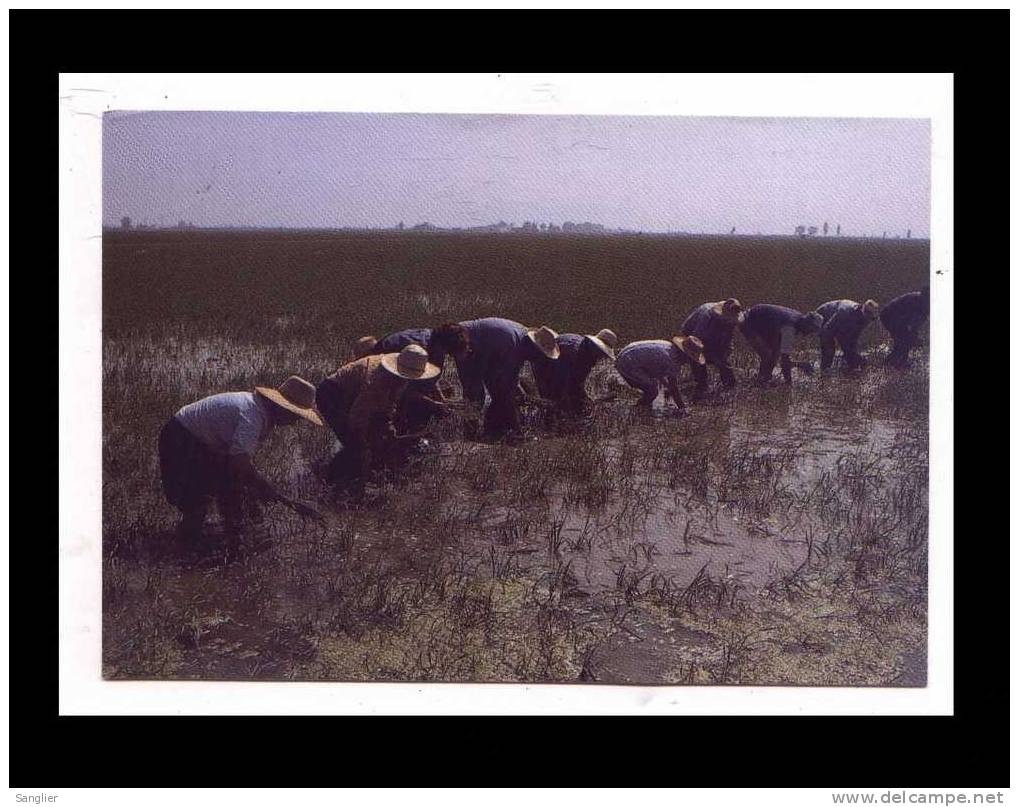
<point x="432" y="403"/>
<point x="245" y="474"/>
<point x="672" y="385"/>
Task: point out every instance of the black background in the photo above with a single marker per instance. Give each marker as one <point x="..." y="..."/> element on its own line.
<point x="970" y="747"/>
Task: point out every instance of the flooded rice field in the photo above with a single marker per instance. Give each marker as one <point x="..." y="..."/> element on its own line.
<point x="634" y="548"/>
<point x="771" y="536"/>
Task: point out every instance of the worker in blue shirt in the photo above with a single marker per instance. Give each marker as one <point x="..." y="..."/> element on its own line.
<point x="771" y="331"/>
<point x="498" y="349"/>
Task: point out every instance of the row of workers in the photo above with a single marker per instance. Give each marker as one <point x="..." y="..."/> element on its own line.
<point x="489" y="353"/>
<point x="382" y="399"/>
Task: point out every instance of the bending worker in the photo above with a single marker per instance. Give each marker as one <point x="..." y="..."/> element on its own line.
<point x="903" y="317"/>
<point x="498" y="349"/>
<point x="844" y="321"/>
<point x="422" y="402"/>
<point x="206" y="450"/>
<point x="651" y="363"/>
<point x="359" y="402"/>
<point x="714" y="324"/>
<point x="771" y="331"/>
<point x="563" y="380"/>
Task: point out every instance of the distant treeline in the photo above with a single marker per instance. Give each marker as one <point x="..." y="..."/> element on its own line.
<point x="115" y="232"/>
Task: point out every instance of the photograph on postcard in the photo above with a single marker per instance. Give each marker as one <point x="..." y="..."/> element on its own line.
<point x="515" y="398"/>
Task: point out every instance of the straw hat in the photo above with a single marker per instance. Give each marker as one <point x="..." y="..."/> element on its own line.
<point x="295" y="395"/>
<point x="411" y="364"/>
<point x="691" y="346"/>
<point x="363" y="346"/>
<point x="545" y="338"/>
<point x="870" y="309"/>
<point x="730" y="309"/>
<point x="605" y="340"/>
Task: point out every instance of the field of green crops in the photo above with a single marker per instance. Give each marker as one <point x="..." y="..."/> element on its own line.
<point x="773" y="536"/>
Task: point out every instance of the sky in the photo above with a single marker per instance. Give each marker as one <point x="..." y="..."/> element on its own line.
<point x="759" y="175"/>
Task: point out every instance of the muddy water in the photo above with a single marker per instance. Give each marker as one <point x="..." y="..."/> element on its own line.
<point x="673" y="535"/>
<point x="819" y="434"/>
<point x="677" y="542"/>
<point x="685" y="534"/>
<point x="677" y="534"/>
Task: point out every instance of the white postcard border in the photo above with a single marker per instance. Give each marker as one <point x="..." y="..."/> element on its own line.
<point x="83" y="99"/>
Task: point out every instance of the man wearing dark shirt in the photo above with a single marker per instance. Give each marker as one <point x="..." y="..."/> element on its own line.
<point x="844" y="321"/>
<point x="903" y="318"/>
<point x="713" y="324"/>
<point x="498" y="349"/>
<point x="563" y="380"/>
<point x="448" y="338"/>
<point x="771" y="331"/>
<point x="424" y="401"/>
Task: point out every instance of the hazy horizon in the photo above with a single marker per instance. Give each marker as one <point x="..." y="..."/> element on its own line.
<point x="655" y="174"/>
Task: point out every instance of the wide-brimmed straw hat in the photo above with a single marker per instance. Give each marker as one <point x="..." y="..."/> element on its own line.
<point x="295" y="395"/>
<point x="363" y="346"/>
<point x="605" y="340"/>
<point x="545" y="338"/>
<point x="730" y="309"/>
<point x="411" y="364"/>
<point x="871" y="309"/>
<point x="691" y="346"/>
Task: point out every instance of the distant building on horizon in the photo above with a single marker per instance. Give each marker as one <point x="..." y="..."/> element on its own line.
<point x="498" y="227"/>
<point x="583" y="227"/>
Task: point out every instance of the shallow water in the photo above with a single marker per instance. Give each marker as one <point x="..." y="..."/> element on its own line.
<point x="820" y="434"/>
<point x="677" y="542"/>
<point x="669" y="532"/>
<point x="799" y="436"/>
